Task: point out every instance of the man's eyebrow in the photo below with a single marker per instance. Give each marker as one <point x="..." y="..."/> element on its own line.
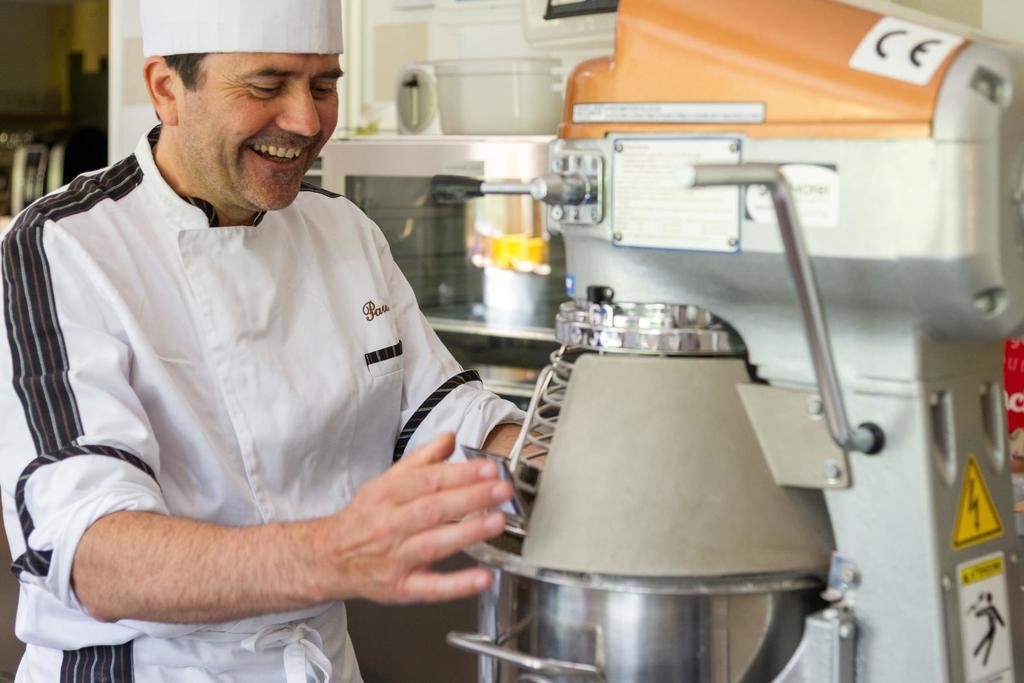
<point x="270" y="72"/>
<point x="333" y="74"/>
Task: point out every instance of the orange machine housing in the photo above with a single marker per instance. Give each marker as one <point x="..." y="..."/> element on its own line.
<point x="792" y="55"/>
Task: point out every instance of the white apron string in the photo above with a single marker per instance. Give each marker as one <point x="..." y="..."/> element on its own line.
<point x="303" y="651"/>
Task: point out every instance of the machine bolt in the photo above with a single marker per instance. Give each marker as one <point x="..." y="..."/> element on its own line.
<point x="557" y="164"/>
<point x="734" y="147"/>
<point x="845" y="631"/>
<point x="850" y="576"/>
<point x="557" y="213"/>
<point x="990" y="301"/>
<point x="733" y="241"/>
<point x="986" y="88"/>
<point x="833" y="475"/>
<point x="617" y="237"/>
<point x="947" y="583"/>
<point x="619" y="147"/>
<point x="985" y="303"/>
<point x="815" y="408"/>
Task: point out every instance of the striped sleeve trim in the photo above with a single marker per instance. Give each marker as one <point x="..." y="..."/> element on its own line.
<point x="39" y="356"/>
<point x="424" y="410"/>
<point x="382" y="355"/>
<point x="37" y="563"/>
<point x="38" y="353"/>
<point x="103" y="664"/>
<point x="309" y="187"/>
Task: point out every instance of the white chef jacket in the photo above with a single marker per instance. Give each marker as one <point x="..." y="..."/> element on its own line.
<point x="237" y="375"/>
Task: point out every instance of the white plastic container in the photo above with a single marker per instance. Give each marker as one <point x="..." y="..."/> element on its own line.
<point x="499" y="96"/>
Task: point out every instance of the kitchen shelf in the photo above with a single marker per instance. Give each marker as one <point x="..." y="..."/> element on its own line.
<point x="477" y="320"/>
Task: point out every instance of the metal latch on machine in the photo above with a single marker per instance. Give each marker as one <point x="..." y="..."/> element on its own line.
<point x="589" y="167"/>
<point x="573" y="190"/>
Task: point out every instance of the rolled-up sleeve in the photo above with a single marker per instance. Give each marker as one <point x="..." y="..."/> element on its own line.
<point x="75" y="444"/>
<point x="438" y="394"/>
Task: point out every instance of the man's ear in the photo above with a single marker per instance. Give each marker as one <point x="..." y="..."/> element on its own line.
<point x="165" y="89"/>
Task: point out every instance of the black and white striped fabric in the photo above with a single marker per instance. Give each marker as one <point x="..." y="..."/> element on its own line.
<point x="310" y="187"/>
<point x="38" y="352"/>
<point x="432" y="401"/>
<point x="106" y="664"/>
<point x="211" y="213"/>
<point x="40" y="378"/>
<point x="382" y="355"/>
<point x="35" y="562"/>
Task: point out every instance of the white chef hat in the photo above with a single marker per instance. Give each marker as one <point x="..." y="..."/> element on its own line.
<point x="174" y="27"/>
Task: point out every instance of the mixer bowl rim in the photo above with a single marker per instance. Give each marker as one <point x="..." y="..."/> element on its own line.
<point x="746" y="584"/>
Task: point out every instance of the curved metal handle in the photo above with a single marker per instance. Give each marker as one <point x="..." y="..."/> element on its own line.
<point x="480" y="644"/>
<point x="867" y="438"/>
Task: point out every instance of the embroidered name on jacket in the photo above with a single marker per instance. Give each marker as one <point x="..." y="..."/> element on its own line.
<point x="372" y="311"/>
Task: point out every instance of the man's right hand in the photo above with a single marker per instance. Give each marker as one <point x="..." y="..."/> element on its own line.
<point x="150" y="567"/>
<point x="382" y="545"/>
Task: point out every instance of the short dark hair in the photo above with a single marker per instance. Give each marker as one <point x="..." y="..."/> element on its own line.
<point x="188" y="67"/>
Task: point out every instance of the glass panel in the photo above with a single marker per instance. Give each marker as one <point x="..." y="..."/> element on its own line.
<point x="491" y="252"/>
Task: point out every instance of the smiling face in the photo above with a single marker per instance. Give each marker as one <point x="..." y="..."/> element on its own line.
<point x="250" y="130"/>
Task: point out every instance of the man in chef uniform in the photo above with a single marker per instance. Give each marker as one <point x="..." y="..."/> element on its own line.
<point x="211" y="371"/>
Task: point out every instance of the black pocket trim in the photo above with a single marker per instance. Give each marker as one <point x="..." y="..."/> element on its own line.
<point x="382" y="355"/>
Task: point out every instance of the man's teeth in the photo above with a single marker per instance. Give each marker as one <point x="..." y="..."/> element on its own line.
<point x="279" y="152"/>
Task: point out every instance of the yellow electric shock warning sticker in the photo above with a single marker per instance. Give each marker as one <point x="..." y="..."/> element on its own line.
<point x="976" y="519"/>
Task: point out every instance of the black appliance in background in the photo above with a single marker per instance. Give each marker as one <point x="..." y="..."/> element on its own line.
<point x="560" y="9"/>
<point x="39" y="164"/>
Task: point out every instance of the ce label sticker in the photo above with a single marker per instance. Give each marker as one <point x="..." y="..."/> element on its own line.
<point x="904" y="51"/>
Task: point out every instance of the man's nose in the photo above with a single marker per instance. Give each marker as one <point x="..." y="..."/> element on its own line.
<point x="300" y="114"/>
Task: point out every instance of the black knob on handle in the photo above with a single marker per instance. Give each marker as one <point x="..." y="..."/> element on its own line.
<point x="454" y="189"/>
<point x="599" y="294"/>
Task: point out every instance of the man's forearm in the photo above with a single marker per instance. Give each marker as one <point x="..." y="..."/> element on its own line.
<point x="176" y="570"/>
<point x="143" y="566"/>
<point x="502" y="438"/>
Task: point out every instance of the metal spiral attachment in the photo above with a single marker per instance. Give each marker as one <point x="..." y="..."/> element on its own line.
<point x="534" y="441"/>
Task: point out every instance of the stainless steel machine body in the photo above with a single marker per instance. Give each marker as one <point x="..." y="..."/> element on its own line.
<point x="921" y="280"/>
<point x="593" y="627"/>
<point x="918" y="263"/>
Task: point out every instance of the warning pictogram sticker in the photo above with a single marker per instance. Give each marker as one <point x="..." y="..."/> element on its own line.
<point x="984" y="621"/>
<point x="976" y="519"/>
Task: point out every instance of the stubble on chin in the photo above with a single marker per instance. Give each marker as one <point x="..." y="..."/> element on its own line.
<point x="277" y="192"/>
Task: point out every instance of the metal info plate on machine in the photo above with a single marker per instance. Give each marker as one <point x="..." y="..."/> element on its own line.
<point x="651" y="208"/>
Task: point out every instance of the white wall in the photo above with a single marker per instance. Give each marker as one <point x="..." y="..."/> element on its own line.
<point x="397" y="32"/>
<point x="130" y="112"/>
<point x="1005" y="18"/>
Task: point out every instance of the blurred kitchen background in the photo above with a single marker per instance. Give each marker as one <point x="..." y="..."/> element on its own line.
<point x="471" y="87"/>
